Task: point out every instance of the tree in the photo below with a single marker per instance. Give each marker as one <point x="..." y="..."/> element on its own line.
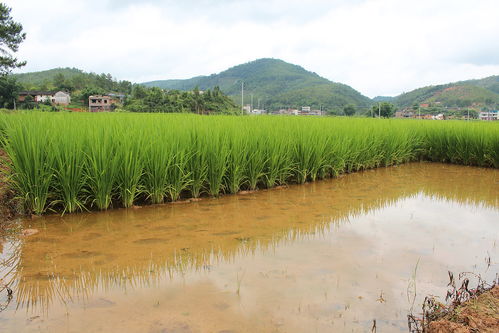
<point x="59" y="81"/>
<point x="349" y="110"/>
<point x="29" y="103"/>
<point x="384" y="109"/>
<point x="9" y="90"/>
<point x="89" y="91"/>
<point x="11" y="36"/>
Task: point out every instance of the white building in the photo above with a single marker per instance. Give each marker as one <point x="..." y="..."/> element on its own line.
<point x="38" y="96"/>
<point x="258" y="111"/>
<point x="61" y="98"/>
<point x="247" y="108"/>
<point x="489" y="115"/>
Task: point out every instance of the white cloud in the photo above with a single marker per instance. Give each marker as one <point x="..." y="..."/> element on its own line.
<point x="379" y="47"/>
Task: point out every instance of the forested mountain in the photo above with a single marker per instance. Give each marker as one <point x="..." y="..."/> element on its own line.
<point x="490" y="83"/>
<point x="482" y="92"/>
<point x="70" y="79"/>
<point x="275" y="84"/>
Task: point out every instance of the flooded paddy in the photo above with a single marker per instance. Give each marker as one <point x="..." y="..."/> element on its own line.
<point x="328" y="256"/>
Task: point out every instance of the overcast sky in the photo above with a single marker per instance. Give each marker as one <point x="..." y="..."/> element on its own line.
<point x="379" y="47"/>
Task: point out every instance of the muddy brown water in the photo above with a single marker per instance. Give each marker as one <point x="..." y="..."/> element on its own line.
<point x="329" y="256"/>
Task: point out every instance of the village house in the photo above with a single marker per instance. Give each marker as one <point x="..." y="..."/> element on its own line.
<point x="406" y="113"/>
<point x="489" y="115"/>
<point x="39" y="96"/>
<point x="101" y="103"/>
<point x="61" y="98"/>
<point x="307" y="111"/>
<point x="293" y="112"/>
<point x="258" y="111"/>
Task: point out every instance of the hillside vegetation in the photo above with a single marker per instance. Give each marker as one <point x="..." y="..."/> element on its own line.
<point x="70" y="79"/>
<point x="483" y="92"/>
<point x="276" y="84"/>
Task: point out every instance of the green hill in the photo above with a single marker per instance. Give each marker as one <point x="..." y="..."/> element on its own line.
<point x="482" y="92"/>
<point x="37" y="79"/>
<point x="490" y="83"/>
<point x="70" y="79"/>
<point x="275" y="84"/>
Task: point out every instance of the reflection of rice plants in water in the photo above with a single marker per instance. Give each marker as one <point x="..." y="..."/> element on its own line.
<point x="66" y="162"/>
<point x="166" y="242"/>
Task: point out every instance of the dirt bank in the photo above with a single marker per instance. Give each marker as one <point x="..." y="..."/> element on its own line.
<point x="9" y="205"/>
<point x="479" y="314"/>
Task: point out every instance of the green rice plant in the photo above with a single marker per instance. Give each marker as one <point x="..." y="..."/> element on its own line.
<point x="178" y="176"/>
<point x="336" y="154"/>
<point x="69" y="173"/>
<point x="318" y="162"/>
<point x="101" y="166"/>
<point x="493" y="154"/>
<point x="217" y="156"/>
<point x="157" y="161"/>
<point x="197" y="166"/>
<point x="28" y="147"/>
<point x="255" y="161"/>
<point x="278" y="161"/>
<point x="236" y="163"/>
<point x="76" y="161"/>
<point x="302" y="156"/>
<point x="130" y="165"/>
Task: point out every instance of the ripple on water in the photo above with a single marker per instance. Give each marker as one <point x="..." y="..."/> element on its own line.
<point x="81" y="254"/>
<point x="150" y="241"/>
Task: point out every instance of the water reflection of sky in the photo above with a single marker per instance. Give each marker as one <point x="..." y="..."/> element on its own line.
<point x="353" y="237"/>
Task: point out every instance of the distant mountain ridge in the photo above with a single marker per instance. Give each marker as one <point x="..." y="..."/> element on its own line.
<point x="275" y="84"/>
<point x="458" y="94"/>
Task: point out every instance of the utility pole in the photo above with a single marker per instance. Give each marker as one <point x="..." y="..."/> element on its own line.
<point x="251" y="102"/>
<point x="419" y="112"/>
<point x="242" y="97"/>
<point x="14" y="104"/>
<point x="379" y="110"/>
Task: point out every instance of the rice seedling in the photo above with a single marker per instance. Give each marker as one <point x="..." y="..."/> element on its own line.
<point x="69" y="172"/>
<point x="255" y="161"/>
<point x="101" y="165"/>
<point x="71" y="162"/>
<point x="158" y="159"/>
<point x="177" y="173"/>
<point x="278" y="162"/>
<point x="28" y="147"/>
<point x="236" y="164"/>
<point x="130" y="166"/>
<point x="197" y="166"/>
<point x="217" y="156"/>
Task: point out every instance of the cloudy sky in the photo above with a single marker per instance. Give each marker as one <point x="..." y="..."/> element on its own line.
<point x="379" y="47"/>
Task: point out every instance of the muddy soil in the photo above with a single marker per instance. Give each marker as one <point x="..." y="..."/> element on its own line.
<point x="476" y="315"/>
<point x="10" y="207"/>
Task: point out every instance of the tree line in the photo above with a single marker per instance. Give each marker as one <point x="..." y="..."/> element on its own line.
<point x="144" y="99"/>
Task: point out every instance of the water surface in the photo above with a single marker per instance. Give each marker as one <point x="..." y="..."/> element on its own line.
<point x="321" y="257"/>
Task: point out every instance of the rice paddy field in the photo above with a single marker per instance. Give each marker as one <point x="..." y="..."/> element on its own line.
<point x="72" y="162"/>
